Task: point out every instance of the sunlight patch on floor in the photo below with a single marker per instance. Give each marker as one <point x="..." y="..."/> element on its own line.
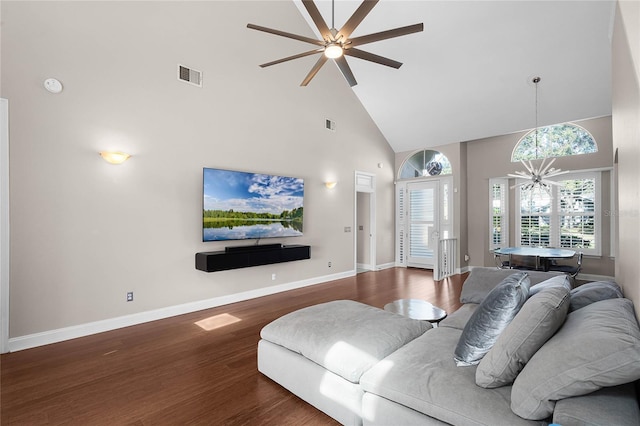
<point x="217" y="321"/>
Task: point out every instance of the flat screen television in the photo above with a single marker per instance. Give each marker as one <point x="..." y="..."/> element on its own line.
<point x="242" y="205"/>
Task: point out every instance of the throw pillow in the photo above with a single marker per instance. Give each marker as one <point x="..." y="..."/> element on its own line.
<point x="557" y="281"/>
<point x="588" y="293"/>
<point x="598" y="346"/>
<point x="538" y="320"/>
<point x="491" y="317"/>
<point x="482" y="280"/>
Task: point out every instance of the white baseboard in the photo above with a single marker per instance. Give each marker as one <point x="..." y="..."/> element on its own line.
<point x="87" y="329"/>
<point x="363" y="266"/>
<point x="385" y="266"/>
<point x="367" y="267"/>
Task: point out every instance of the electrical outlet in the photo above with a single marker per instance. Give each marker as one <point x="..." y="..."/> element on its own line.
<point x="130" y="296"/>
<point x="329" y="264"/>
<point x="273" y="277"/>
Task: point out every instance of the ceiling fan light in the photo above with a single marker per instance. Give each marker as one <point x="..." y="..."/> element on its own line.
<point x="333" y="51"/>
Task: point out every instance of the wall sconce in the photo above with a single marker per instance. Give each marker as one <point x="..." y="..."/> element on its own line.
<point x="330" y="185"/>
<point x="114" y="157"/>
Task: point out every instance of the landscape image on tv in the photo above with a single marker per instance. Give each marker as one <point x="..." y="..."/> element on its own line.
<point x="242" y="205"/>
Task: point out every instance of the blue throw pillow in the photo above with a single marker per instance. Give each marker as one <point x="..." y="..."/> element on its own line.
<point x="589" y="293"/>
<point x="557" y="281"/>
<point x="491" y="317"/>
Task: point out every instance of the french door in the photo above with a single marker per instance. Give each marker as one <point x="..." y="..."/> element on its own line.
<point x="423" y="221"/>
<point x="423" y="224"/>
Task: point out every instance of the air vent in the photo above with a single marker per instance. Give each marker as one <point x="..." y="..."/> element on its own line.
<point x="189" y="75"/>
<point x="330" y="125"/>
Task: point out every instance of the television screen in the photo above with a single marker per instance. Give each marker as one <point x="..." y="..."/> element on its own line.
<point x="242" y="205"/>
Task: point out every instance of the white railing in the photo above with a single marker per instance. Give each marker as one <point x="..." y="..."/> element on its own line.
<point x="446" y="259"/>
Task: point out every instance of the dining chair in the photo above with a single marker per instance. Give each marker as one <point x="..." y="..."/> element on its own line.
<point x="572" y="270"/>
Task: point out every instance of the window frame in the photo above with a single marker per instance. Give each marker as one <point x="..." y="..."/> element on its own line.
<point x="504" y="215"/>
<point x="545" y="153"/>
<point x="408" y="169"/>
<point x="555" y="214"/>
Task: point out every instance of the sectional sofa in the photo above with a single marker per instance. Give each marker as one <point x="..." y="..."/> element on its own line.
<point x="524" y="349"/>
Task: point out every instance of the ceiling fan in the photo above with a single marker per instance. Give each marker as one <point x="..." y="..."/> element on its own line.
<point x="336" y="44"/>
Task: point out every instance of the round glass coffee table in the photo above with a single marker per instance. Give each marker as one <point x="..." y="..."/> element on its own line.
<point x="417" y="309"/>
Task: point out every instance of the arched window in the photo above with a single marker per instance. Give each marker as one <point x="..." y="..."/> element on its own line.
<point x="425" y="163"/>
<point x="559" y="140"/>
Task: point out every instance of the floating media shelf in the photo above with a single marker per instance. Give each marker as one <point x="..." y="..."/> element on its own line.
<point x="246" y="256"/>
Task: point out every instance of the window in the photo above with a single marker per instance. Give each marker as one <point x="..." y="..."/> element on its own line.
<point x="499" y="214"/>
<point x="559" y="140"/>
<point x="425" y="163"/>
<point x="566" y="217"/>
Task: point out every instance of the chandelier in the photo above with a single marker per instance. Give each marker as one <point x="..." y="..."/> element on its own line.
<point x="537" y="177"/>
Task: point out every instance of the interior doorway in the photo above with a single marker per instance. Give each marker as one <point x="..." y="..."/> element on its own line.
<point x="363" y="232"/>
<point x="365" y="222"/>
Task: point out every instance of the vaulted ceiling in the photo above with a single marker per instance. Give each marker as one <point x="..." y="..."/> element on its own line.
<point x="468" y="74"/>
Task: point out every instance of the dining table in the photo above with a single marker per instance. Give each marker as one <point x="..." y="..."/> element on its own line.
<point x="543" y="255"/>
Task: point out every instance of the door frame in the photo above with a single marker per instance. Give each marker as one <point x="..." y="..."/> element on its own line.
<point x="445" y="212"/>
<point x="435" y="184"/>
<point x="365" y="182"/>
<point x="4" y="225"/>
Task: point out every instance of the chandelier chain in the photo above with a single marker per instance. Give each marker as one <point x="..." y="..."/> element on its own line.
<point x="537" y="177"/>
<point x="536" y="80"/>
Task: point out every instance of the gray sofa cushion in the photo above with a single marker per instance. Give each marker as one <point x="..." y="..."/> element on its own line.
<point x="459" y="318"/>
<point x="540" y="317"/>
<point x="344" y="336"/>
<point x="588" y="293"/>
<point x="423" y="376"/>
<point x="557" y="281"/>
<point x="482" y="280"/>
<point x="598" y="346"/>
<point x="491" y="317"/>
<point x="615" y="405"/>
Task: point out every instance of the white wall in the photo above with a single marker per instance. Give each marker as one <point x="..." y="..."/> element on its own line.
<point x="84" y="232"/>
<point x="626" y="141"/>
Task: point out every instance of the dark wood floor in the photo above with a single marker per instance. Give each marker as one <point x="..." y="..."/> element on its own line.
<point x="173" y="372"/>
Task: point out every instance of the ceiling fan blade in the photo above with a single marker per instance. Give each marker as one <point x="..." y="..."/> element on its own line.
<point x="346" y="71"/>
<point x="288" y="58"/>
<point x="317" y="18"/>
<point x="285" y="34"/>
<point x="314" y="70"/>
<point x="361" y="54"/>
<point x="361" y="12"/>
<point x="384" y="35"/>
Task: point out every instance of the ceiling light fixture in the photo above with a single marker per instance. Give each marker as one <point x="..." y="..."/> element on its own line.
<point x="537" y="176"/>
<point x="333" y="50"/>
